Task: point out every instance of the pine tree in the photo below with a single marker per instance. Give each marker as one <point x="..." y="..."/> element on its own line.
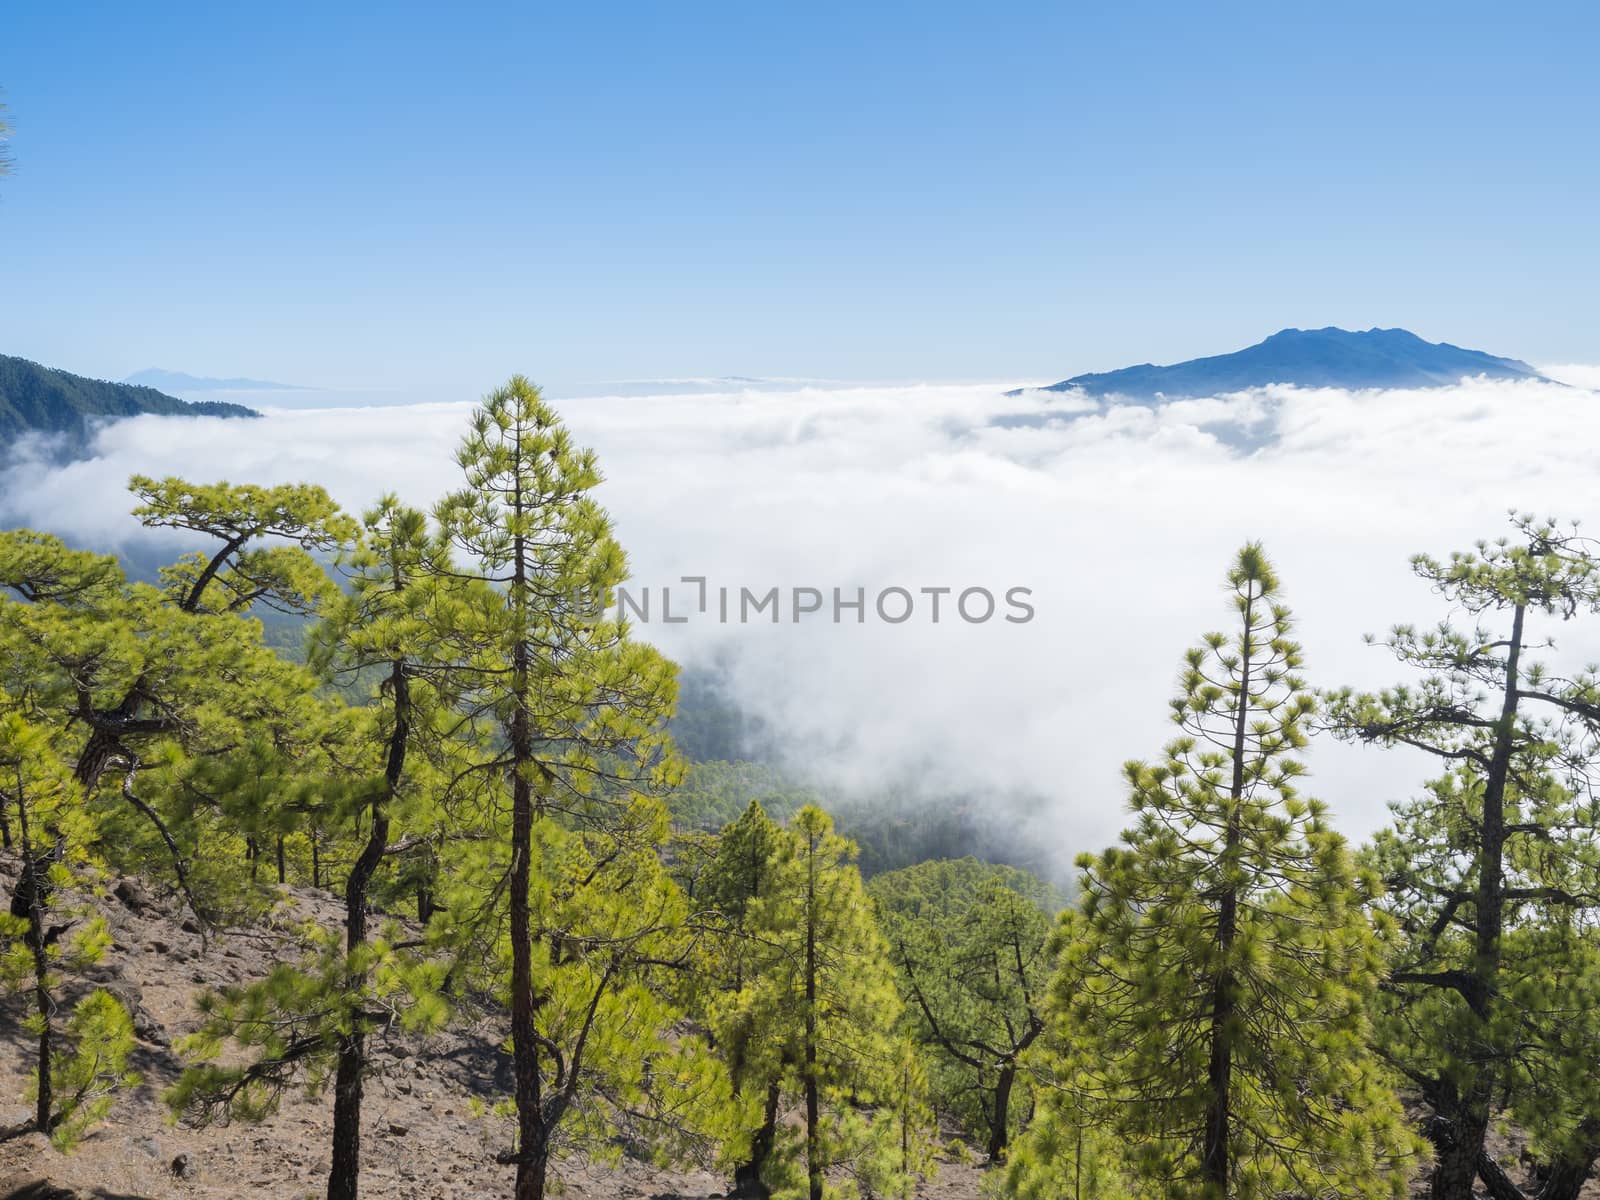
<point x="169" y="690"/>
<point x="571" y="716"/>
<point x="1212" y="990"/>
<point x="386" y="763"/>
<point x="46" y="932"/>
<point x="815" y="1016"/>
<point x="384" y="624"/>
<point x="1493" y="871"/>
<point x="969" y="940"/>
<point x="740" y="875"/>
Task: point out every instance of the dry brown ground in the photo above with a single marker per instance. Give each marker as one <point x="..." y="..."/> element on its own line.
<point x="421" y="1140"/>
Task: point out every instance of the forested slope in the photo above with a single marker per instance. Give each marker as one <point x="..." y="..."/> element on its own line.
<point x="36" y="399"/>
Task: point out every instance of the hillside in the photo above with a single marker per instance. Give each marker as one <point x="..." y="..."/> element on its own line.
<point x="37" y="399"/>
<point x="427" y="1136"/>
<point x="1331" y="357"/>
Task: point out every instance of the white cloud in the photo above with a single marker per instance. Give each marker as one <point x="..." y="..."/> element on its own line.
<point x="1122" y="520"/>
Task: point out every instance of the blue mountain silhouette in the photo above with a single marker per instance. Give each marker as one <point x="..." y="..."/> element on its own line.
<point x="1342" y="358"/>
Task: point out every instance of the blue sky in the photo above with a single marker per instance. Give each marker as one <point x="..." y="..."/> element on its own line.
<point x="426" y="198"/>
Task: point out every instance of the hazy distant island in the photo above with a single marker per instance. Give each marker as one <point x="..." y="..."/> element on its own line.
<point x="1331" y="357"/>
<point x="181" y="381"/>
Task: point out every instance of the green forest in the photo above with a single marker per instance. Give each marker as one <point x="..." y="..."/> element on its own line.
<point x="694" y="960"/>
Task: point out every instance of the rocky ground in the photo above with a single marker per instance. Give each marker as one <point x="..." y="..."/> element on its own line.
<point x="422" y="1140"/>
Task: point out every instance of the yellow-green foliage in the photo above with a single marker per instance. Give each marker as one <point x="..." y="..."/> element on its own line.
<point x="794" y="898"/>
<point x="1063" y="1157"/>
<point x="1230" y="923"/>
<point x="89" y="1067"/>
<point x="969" y="941"/>
<point x="1494" y="868"/>
<point x="57" y="933"/>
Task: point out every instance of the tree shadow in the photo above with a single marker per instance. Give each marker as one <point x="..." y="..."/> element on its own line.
<point x="42" y="1189"/>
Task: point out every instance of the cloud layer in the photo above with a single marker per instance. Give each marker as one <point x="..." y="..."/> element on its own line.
<point x="1120" y="519"/>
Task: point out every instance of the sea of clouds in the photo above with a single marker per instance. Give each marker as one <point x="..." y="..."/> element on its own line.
<point x="1121" y="519"/>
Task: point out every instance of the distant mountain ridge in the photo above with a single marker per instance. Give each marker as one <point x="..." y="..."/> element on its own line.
<point x="182" y="381"/>
<point x="1330" y="357"/>
<point x="38" y="399"/>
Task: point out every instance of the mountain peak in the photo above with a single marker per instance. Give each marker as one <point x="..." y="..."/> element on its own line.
<point x="1327" y="357"/>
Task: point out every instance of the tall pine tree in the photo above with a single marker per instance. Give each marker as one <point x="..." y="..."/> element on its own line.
<point x="1212" y="990"/>
<point x="1493" y="871"/>
<point x="570" y="713"/>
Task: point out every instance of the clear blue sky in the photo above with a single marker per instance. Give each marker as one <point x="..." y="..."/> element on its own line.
<point x="429" y="197"/>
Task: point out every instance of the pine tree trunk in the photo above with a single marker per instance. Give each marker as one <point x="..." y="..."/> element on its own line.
<point x="532" y="1146"/>
<point x="1000" y="1117"/>
<point x="813" y="1116"/>
<point x="1457" y="1165"/>
<point x="282" y="874"/>
<point x="747" y="1181"/>
<point x="1566" y="1177"/>
<point x="345" y="1171"/>
<point x="5" y="824"/>
<point x="41" y="999"/>
<point x="537" y="1168"/>
<point x="31" y="890"/>
<point x="1216" y="1166"/>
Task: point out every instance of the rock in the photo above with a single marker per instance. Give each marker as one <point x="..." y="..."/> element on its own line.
<point x="146" y="1028"/>
<point x="128" y="994"/>
<point x="149" y="1145"/>
<point x="396" y="1129"/>
<point x="185" y="1167"/>
<point x="106" y="972"/>
<point x="134" y="895"/>
<point x="157" y="945"/>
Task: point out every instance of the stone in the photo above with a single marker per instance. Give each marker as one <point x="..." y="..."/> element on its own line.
<point x="134" y="895"/>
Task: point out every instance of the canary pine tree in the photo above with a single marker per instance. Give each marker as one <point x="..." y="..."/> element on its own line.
<point x="969" y="940"/>
<point x="570" y="714"/>
<point x="384" y="625"/>
<point x="167" y="696"/>
<point x="739" y="875"/>
<point x="815" y="1016"/>
<point x="52" y="929"/>
<point x="381" y="769"/>
<point x="1493" y="872"/>
<point x="1212" y="990"/>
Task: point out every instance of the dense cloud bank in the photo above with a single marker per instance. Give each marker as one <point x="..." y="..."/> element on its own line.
<point x="1117" y="520"/>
